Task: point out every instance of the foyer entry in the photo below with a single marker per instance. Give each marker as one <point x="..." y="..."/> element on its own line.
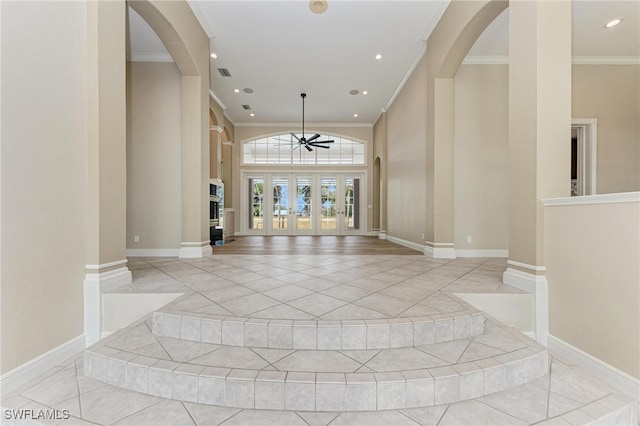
<point x="303" y="204"/>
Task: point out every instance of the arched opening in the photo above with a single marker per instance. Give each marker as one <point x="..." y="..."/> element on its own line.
<point x="377" y="195"/>
<point x="187" y="43"/>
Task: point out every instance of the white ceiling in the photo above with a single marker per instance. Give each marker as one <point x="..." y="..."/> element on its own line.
<point x="280" y="49"/>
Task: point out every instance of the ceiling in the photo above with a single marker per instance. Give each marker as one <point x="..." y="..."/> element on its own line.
<point x="280" y="49"/>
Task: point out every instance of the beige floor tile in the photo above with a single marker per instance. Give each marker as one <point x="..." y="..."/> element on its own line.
<point x="265" y="418"/>
<point x="317" y="361"/>
<point x="164" y="412"/>
<point x="109" y="404"/>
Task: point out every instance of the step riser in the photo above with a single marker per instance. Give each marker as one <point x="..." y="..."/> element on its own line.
<point x="320" y="335"/>
<point x="318" y="391"/>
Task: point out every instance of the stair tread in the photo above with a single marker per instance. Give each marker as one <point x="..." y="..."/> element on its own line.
<point x="499" y="359"/>
<point x="196" y="317"/>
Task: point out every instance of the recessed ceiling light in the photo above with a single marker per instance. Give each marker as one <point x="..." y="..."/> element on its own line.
<point x="236" y="90"/>
<point x="214" y="56"/>
<point x="354" y="92"/>
<point x="247" y="90"/>
<point x="252" y="115"/>
<point x="378" y="56"/>
<point x="613" y="23"/>
<point x="355" y="115"/>
<point x="364" y="92"/>
<point x="318" y="6"/>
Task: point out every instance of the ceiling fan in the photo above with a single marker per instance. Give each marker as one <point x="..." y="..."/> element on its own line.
<point x="311" y="142"/>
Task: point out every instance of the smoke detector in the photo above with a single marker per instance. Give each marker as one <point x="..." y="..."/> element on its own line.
<point x="318" y="6"/>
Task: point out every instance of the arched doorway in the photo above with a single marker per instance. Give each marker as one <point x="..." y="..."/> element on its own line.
<point x="181" y="33"/>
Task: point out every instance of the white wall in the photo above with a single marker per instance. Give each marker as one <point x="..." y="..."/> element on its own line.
<point x="153" y="155"/>
<point x="44" y="196"/>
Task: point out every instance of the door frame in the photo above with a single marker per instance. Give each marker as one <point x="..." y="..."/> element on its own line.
<point x="315" y="176"/>
<point x="587" y="129"/>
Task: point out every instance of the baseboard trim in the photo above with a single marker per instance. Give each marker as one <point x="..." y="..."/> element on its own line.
<point x="405" y="243"/>
<point x="153" y="252"/>
<point x="111" y="279"/>
<point x="382" y="235"/>
<point x="195" y="250"/>
<point x="440" y="252"/>
<point x="539" y="287"/>
<point x="17" y="377"/>
<point x="482" y="253"/>
<point x="620" y="380"/>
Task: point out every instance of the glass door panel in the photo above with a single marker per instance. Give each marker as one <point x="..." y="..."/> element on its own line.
<point x="328" y="204"/>
<point x="304" y="204"/>
<point x="256" y="204"/>
<point x="351" y="204"/>
<point x="351" y="211"/>
<point x="280" y="210"/>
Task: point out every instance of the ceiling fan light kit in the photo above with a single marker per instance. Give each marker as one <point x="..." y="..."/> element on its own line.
<point x="318" y="6"/>
<point x="311" y="142"/>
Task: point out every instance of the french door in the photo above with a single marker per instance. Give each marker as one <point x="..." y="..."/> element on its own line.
<point x="304" y="204"/>
<point x="340" y="204"/>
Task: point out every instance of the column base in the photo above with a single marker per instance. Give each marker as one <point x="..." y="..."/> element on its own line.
<point x="195" y="250"/>
<point x="96" y="283"/>
<point x="440" y="250"/>
<point x="538" y="286"/>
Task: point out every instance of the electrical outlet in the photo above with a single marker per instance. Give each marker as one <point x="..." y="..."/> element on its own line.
<point x="136" y="238"/>
<point x="469" y="239"/>
<point x="423" y="235"/>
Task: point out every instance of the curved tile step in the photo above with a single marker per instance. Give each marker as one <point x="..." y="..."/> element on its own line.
<point x="318" y="334"/>
<point x="383" y="380"/>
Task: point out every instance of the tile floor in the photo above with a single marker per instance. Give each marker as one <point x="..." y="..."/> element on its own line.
<point x="257" y="286"/>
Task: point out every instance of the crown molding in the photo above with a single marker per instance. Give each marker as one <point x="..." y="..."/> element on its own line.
<point x="216" y="100"/>
<point x="605" y="60"/>
<point x="149" y="57"/>
<point x="202" y="19"/>
<point x="297" y="124"/>
<point x="408" y="74"/>
<point x="575" y="60"/>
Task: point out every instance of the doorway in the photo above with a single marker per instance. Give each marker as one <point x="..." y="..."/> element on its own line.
<point x="303" y="204"/>
<point x="583" y="156"/>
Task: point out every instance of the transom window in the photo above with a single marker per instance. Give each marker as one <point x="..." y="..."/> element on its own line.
<point x="284" y="149"/>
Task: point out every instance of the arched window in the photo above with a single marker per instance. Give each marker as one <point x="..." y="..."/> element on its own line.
<point x="285" y="150"/>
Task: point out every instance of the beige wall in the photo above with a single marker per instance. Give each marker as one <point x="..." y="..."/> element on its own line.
<point x="44" y="175"/>
<point x="407" y="159"/>
<point x="481" y="176"/>
<point x="153" y="155"/>
<point x="611" y="93"/>
<point x="591" y="255"/>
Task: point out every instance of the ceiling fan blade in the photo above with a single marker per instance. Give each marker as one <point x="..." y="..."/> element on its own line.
<point x="308" y="148"/>
<point x="317" y="142"/>
<point x="295" y="147"/>
<point x="297" y="138"/>
<point x="314" y="137"/>
<point x="321" y="146"/>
